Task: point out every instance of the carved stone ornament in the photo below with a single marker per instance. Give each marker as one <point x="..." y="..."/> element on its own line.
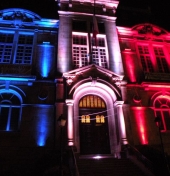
<point x="149" y="29"/>
<point x="18" y="14"/>
<point x="69" y="79"/>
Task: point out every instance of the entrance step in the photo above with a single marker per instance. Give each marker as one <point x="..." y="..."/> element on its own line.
<point x="107" y="167"/>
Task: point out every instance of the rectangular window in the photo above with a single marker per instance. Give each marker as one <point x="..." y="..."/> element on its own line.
<point x="80" y="50"/>
<point x="145" y="58"/>
<point x="99" y="53"/>
<point x="161" y="60"/>
<point x="100" y="119"/>
<point x="6" y="46"/>
<point x="85" y="119"/>
<point x="24" y="49"/>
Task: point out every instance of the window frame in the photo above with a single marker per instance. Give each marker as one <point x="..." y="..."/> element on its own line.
<point x="101" y="51"/>
<point x="26" y="56"/>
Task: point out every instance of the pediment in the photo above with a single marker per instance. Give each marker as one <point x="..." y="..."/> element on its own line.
<point x="149" y="29"/>
<point x="93" y="72"/>
<point x="19" y="14"/>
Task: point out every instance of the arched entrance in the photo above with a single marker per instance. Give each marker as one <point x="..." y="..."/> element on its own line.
<point x="93" y="125"/>
<point x="114" y="122"/>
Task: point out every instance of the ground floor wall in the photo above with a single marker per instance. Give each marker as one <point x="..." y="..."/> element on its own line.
<point x="32" y="149"/>
<point x="141" y="128"/>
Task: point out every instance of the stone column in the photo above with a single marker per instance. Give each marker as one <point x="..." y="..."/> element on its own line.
<point x="64" y="59"/>
<point x="70" y="133"/>
<point x="115" y="59"/>
<point x="122" y="128"/>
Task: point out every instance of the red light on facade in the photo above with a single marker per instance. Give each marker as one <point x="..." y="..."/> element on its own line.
<point x="140" y="119"/>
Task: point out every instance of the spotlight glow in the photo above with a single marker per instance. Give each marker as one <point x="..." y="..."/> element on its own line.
<point x="97" y="157"/>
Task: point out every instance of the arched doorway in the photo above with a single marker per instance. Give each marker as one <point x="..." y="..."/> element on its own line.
<point x="93" y="125"/>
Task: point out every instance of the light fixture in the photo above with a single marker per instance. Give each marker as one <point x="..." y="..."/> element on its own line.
<point x="61" y="121"/>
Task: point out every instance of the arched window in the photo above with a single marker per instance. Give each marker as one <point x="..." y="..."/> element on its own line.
<point x="91" y="101"/>
<point x="162" y="110"/>
<point x="10" y="111"/>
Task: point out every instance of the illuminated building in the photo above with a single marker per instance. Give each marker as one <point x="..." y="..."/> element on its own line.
<point x="109" y="90"/>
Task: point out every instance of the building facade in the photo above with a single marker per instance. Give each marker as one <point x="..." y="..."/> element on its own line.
<point x="110" y="87"/>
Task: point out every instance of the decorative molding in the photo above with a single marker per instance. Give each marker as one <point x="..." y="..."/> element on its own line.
<point x="70" y="76"/>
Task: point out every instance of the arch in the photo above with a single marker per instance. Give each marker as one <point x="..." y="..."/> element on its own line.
<point x="13" y="92"/>
<point x="109" y="97"/>
<point x="158" y="95"/>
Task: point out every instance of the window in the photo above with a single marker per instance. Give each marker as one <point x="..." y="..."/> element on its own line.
<point x="85" y="119"/>
<point x="20" y="53"/>
<point x="80" y="50"/>
<point x="162" y="110"/>
<point x="145" y="58"/>
<point x="99" y="56"/>
<point x="6" y="45"/>
<point x="150" y="54"/>
<point x="161" y="60"/>
<point x="10" y="110"/>
<point x="100" y="119"/>
<point x="91" y="101"/>
<point x="24" y="49"/>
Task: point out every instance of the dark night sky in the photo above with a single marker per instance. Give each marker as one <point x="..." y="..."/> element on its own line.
<point x="128" y="12"/>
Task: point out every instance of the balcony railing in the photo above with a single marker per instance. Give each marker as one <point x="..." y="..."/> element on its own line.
<point x="157" y="76"/>
<point x="15" y="69"/>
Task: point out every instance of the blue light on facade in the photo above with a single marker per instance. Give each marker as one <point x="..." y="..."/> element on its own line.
<point x="46" y="58"/>
<point x="42" y="130"/>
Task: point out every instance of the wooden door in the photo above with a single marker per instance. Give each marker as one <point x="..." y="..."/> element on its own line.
<point x="94" y="136"/>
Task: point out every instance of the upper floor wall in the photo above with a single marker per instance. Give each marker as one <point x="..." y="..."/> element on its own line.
<point x="27" y="43"/>
<point x="101" y="6"/>
<point x="145" y="52"/>
<point x="88" y="35"/>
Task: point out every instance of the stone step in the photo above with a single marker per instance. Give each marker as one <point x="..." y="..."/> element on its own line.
<point x="107" y="167"/>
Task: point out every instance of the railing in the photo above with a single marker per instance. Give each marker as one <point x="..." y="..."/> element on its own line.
<point x="72" y="163"/>
<point x="140" y="157"/>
